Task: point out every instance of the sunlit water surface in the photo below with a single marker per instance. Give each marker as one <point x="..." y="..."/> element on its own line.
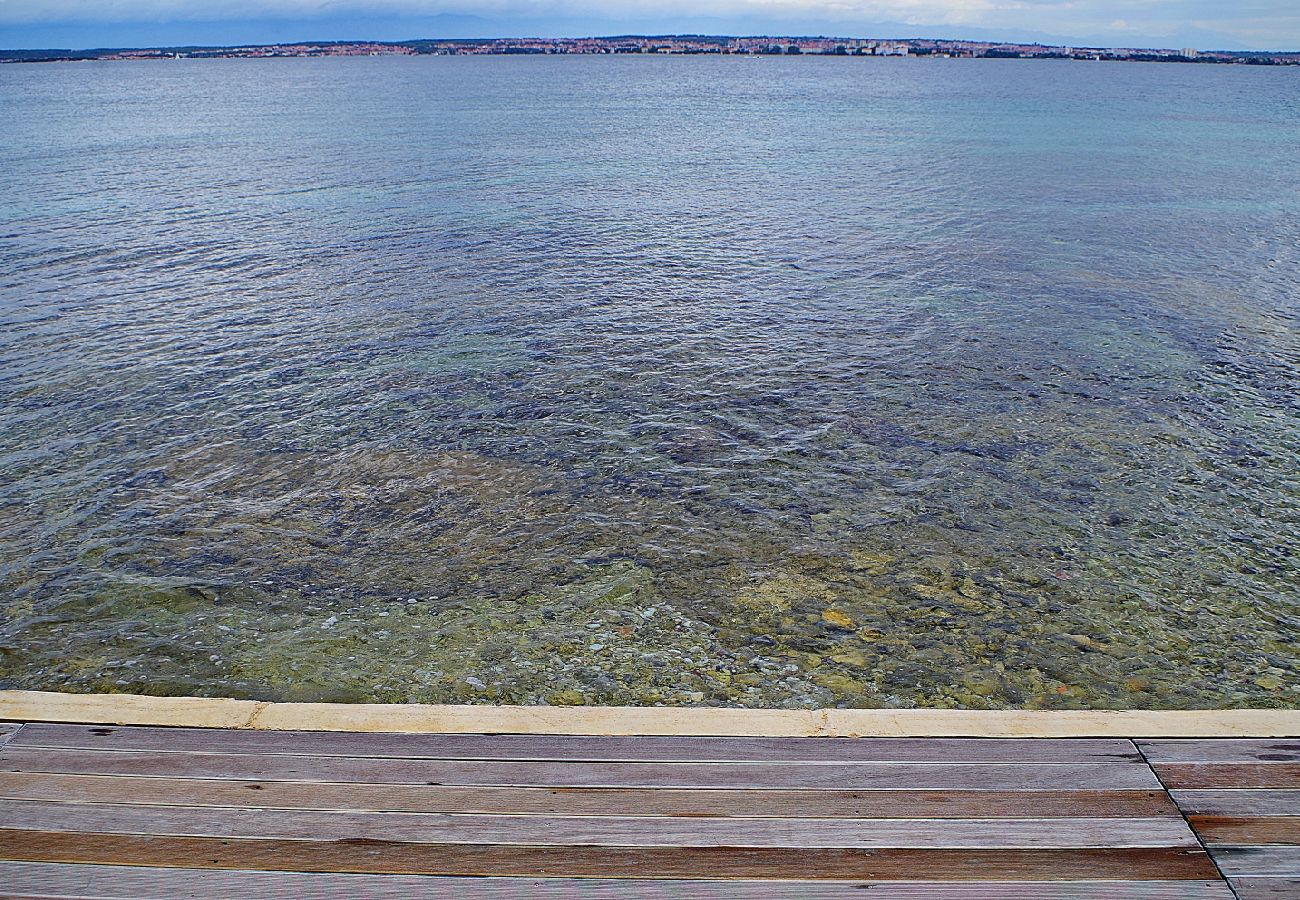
<point x="778" y="382"/>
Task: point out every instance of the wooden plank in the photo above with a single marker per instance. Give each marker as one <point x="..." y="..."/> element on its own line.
<point x="1262" y="861"/>
<point x="584" y="801"/>
<point x="1267" y="888"/>
<point x="521" y="889"/>
<point x="366" y="856"/>
<point x="1180" y="776"/>
<point x="1010" y="890"/>
<point x="1248" y="829"/>
<point x="495" y="888"/>
<point x="7" y="731"/>
<point x="128" y="709"/>
<point x="609" y="831"/>
<point x="846" y="776"/>
<point x="1231" y="750"/>
<point x="1238" y="803"/>
<point x="136" y="883"/>
<point x="569" y="747"/>
<point x="57" y="706"/>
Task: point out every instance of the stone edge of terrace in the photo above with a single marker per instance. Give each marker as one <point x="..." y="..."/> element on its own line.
<point x="205" y="712"/>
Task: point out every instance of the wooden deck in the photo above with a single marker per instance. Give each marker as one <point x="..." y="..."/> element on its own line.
<point x="145" y="812"/>
<point x="1243" y="799"/>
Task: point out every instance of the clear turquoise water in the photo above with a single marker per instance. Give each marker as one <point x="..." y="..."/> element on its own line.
<point x="778" y="382"/>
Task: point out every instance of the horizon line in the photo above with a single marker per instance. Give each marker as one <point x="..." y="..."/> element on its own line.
<point x="631" y="35"/>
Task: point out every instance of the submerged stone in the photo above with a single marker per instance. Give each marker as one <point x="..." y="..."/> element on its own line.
<point x="838" y="619"/>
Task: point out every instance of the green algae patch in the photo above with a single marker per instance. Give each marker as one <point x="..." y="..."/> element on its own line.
<point x="781" y="593"/>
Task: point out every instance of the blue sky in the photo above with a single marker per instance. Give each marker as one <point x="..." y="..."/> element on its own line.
<point x="1205" y="24"/>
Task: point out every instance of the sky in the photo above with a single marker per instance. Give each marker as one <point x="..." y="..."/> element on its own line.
<point x="1203" y="24"/>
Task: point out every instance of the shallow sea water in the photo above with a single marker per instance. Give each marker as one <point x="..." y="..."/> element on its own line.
<point x="776" y="382"/>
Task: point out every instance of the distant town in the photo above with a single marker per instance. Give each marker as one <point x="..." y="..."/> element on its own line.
<point x="672" y="45"/>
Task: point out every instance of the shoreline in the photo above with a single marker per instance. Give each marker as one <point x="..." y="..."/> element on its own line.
<point x="632" y="45"/>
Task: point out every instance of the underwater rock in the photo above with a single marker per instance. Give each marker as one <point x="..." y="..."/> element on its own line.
<point x="782" y="592"/>
<point x="871" y="562"/>
<point x="841" y="685"/>
<point x="838" y="619"/>
<point x="566" y="698"/>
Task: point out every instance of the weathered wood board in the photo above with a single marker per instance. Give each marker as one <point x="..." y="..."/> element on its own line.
<point x="138" y="810"/>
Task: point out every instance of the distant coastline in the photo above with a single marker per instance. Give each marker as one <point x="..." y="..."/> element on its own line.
<point x="669" y="45"/>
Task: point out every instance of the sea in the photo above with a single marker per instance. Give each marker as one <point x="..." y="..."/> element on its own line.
<point x="762" y="382"/>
